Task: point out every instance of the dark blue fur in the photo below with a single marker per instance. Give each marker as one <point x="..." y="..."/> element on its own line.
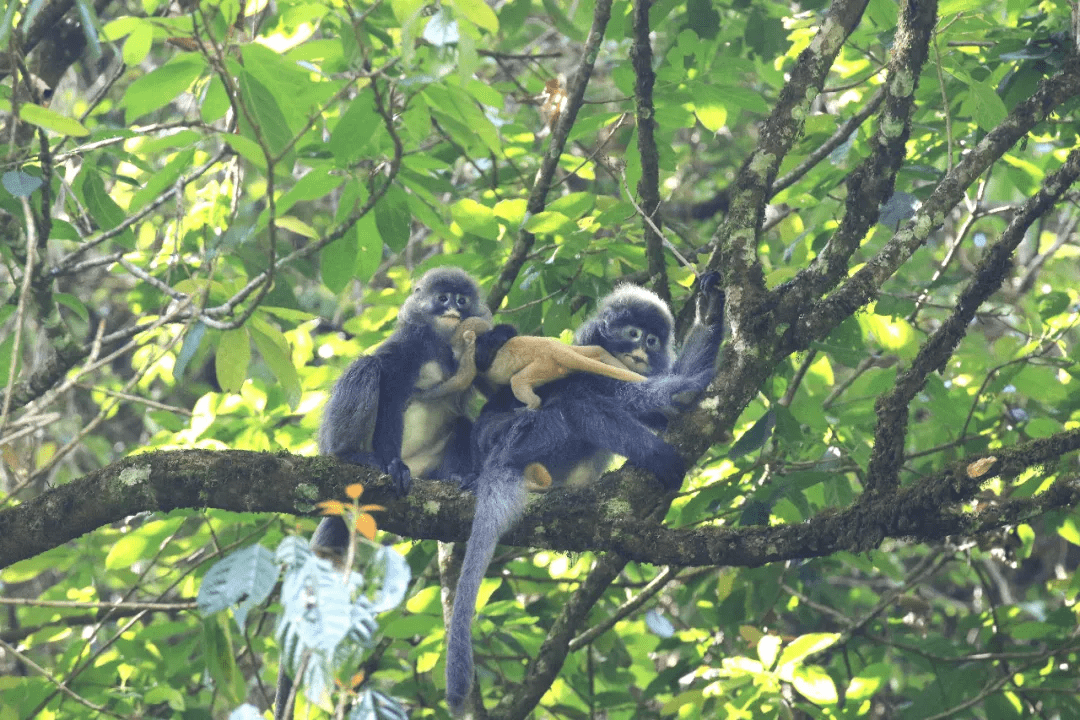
<point x="582" y="418"/>
<point x="380" y="384"/>
<point x="363" y="422"/>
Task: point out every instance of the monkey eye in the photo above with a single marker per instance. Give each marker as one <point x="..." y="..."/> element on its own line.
<point x="464" y="301"/>
<point x="652" y="342"/>
<point x="443" y="298"/>
<point x="632" y="333"/>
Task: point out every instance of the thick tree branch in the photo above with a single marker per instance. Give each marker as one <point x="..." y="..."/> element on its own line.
<point x="648" y="188"/>
<point x="872" y="182"/>
<point x="864" y="285"/>
<point x="892" y="407"/>
<point x="579" y="520"/>
<point x="735" y="252"/>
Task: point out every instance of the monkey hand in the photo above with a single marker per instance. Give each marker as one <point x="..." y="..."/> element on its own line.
<point x="465" y="481"/>
<point x="680" y="391"/>
<point x="692" y="386"/>
<point x="667" y="465"/>
<point x="710" y="301"/>
<point x="672" y="475"/>
<point x="399" y="471"/>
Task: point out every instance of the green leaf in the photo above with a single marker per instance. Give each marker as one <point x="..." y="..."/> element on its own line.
<point x="336" y="263"/>
<point x="816" y="685"/>
<point x="754" y="438"/>
<point x="393" y="218"/>
<point x="157" y="182"/>
<point x="138" y="43"/>
<point x="314" y="185"/>
<point x="475" y="218"/>
<point x="72" y="303"/>
<point x="275" y="352"/>
<point x="215" y="101"/>
<point x="241" y="580"/>
<point x="192" y="339"/>
<point x="547" y="222"/>
<point x="121" y="26"/>
<point x="352" y="135"/>
<point x="369" y="248"/>
<point x="48" y="119"/>
<point x="710" y="108"/>
<point x="20" y="184"/>
<point x="7" y="347"/>
<point x="232" y="358"/>
<point x="984" y="105"/>
<point x="805" y="645"/>
<point x="246" y="148"/>
<point x="160" y="87"/>
<point x="864" y="685"/>
<point x="562" y="22"/>
<point x="767" y="648"/>
<point x="221" y="660"/>
<point x="296" y="225"/>
<point x="478" y="13"/>
<point x="141" y="543"/>
<point x="1070" y="529"/>
<point x="574" y="205"/>
<point x="263" y="110"/>
<point x="468" y="121"/>
<point x="106" y="213"/>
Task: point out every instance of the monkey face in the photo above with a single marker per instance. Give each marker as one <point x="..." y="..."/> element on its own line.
<point x="443" y="297"/>
<point x="450" y="308"/>
<point x="635" y="326"/>
<point x="638" y="337"/>
<point x="637" y="348"/>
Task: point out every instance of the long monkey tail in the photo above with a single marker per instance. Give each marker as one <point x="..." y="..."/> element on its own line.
<point x="500" y="500"/>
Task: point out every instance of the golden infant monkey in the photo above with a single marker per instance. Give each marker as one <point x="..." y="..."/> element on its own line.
<point x="526" y="361"/>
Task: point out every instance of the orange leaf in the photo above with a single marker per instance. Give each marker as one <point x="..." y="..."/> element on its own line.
<point x="367" y="508"/>
<point x="331" y="507"/>
<point x="355" y="680"/>
<point x="365" y="525"/>
<point x="354" y="490"/>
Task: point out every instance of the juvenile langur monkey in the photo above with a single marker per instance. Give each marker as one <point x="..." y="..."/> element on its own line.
<point x="571" y="437"/>
<point x="525" y="361"/>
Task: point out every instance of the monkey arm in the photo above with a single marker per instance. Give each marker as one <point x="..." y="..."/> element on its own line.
<point x="466" y="372"/>
<point x="702" y="342"/>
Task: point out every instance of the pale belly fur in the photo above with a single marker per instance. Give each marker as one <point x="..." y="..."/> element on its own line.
<point x="428" y="424"/>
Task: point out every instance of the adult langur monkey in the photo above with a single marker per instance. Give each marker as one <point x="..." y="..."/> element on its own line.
<point x="402" y="409"/>
<point x="581" y="422"/>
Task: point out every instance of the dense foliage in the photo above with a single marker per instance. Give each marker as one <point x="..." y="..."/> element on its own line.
<point x="210" y="208"/>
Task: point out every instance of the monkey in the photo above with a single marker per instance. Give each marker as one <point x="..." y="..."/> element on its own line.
<point x="402" y="409"/>
<point x="525" y="361"/>
<point x="570" y="439"/>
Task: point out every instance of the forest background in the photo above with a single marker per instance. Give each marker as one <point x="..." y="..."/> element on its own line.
<point x="210" y="208"/>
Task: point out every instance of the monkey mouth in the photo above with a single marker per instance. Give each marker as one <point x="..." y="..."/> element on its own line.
<point x="448" y="321"/>
<point x="637" y="364"/>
